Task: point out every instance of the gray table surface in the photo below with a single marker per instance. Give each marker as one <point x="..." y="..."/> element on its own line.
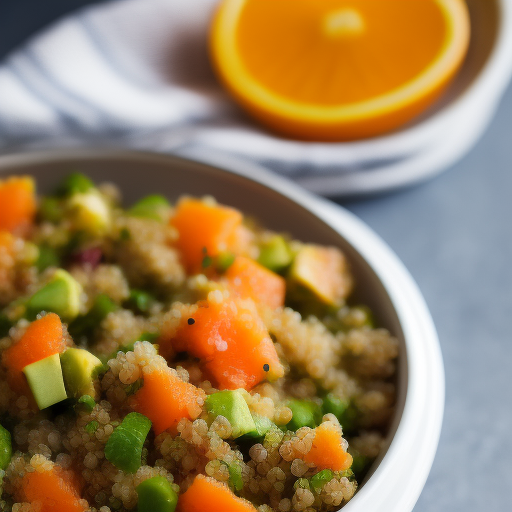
<point x="454" y="235"/>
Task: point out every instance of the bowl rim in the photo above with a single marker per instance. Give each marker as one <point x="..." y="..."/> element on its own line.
<point x="397" y="481"/>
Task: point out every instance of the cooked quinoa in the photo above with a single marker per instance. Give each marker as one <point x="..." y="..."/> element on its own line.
<point x="164" y="342"/>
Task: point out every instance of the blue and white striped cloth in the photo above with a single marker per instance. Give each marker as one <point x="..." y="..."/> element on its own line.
<point x="135" y="73"/>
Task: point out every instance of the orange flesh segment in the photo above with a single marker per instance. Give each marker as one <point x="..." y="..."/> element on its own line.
<point x="204" y="230"/>
<point x="327" y="451"/>
<point x="17" y="203"/>
<point x="207" y="494"/>
<point x="354" y="37"/>
<point x="233" y="343"/>
<point x="249" y="279"/>
<point x="43" y="338"/>
<point x="338" y="69"/>
<point x="53" y="490"/>
<point x="165" y="399"/>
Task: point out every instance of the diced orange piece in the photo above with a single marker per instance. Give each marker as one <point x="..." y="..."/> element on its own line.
<point x="6" y="260"/>
<point x="248" y="279"/>
<point x="205" y="230"/>
<point x="165" y="399"/>
<point x="327" y="451"/>
<point x="233" y="343"/>
<point x="43" y="338"/>
<point x="17" y="203"/>
<point x="53" y="490"/>
<point x="207" y="494"/>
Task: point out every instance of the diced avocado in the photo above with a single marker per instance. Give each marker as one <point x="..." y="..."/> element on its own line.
<point x="48" y="257"/>
<point x="5" y="447"/>
<point x="150" y="207"/>
<point x="320" y="479"/>
<point x="262" y="426"/>
<point x="90" y="213"/>
<point x="305" y="414"/>
<point x="275" y="254"/>
<point x="75" y="183"/>
<point x="156" y="495"/>
<point x="334" y="405"/>
<point x="124" y="446"/>
<point x="79" y="368"/>
<point x="85" y="324"/>
<point x="46" y="382"/>
<point x="60" y="295"/>
<point x="320" y="272"/>
<point x="233" y="407"/>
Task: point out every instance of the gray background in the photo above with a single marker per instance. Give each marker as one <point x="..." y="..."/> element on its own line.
<point x="454" y="235"/>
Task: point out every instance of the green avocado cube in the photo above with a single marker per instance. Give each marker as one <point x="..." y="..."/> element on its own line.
<point x="156" y="495"/>
<point x="150" y="207"/>
<point x="320" y="272"/>
<point x="5" y="447"/>
<point x="275" y="254"/>
<point x="262" y="426"/>
<point x="60" y="295"/>
<point x="46" y="382"/>
<point x="334" y="405"/>
<point x="90" y="213"/>
<point x="305" y="414"/>
<point x="234" y="408"/>
<point x="79" y="368"/>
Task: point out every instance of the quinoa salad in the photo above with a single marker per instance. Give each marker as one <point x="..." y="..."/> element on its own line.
<point x="179" y="357"/>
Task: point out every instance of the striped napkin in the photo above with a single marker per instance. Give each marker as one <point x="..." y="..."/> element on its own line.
<point x="135" y="73"/>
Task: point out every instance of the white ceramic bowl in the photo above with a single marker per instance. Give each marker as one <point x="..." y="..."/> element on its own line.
<point x="397" y="478"/>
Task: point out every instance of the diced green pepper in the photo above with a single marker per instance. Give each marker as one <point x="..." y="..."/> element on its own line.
<point x="51" y="209"/>
<point x="75" y="183"/>
<point x="275" y="254"/>
<point x="235" y="476"/>
<point x="85" y="324"/>
<point x="5" y="447"/>
<point x="231" y="405"/>
<point x="320" y="479"/>
<point x="156" y="495"/>
<point x="140" y="301"/>
<point x="305" y="414"/>
<point x="124" y="446"/>
<point x="150" y="207"/>
<point x="60" y="295"/>
<point x="87" y="402"/>
<point x="46" y="382"/>
<point x="334" y="405"/>
<point x="360" y="465"/>
<point x="48" y="257"/>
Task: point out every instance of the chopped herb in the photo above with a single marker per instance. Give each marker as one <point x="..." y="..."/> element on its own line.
<point x="91" y="427"/>
<point x="87" y="402"/>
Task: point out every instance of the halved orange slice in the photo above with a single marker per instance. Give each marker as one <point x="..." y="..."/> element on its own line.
<point x="338" y="69"/>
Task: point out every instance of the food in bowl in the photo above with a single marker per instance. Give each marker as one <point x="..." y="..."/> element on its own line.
<point x="179" y="357"/>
